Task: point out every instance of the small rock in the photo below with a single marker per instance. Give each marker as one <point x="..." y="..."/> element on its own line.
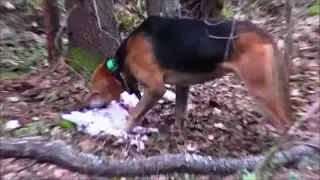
<point x="254" y="149"/>
<point x="17" y="2"/>
<point x="8" y="5"/>
<point x="32" y="36"/>
<point x="158" y="177"/>
<point x="170" y="96"/>
<point x="191" y="147"/>
<point x="280" y="44"/>
<point x="219" y="125"/>
<point x="295" y="92"/>
<point x="45" y="84"/>
<point x="211" y="137"/>
<point x="7" y="33"/>
<point x="25" y="174"/>
<point x="161" y="101"/>
<point x="51" y="167"/>
<point x="35" y="118"/>
<point x="31" y="92"/>
<point x="9" y="176"/>
<point x="13" y="124"/>
<point x="58" y="173"/>
<point x="22" y="105"/>
<point x="239" y="127"/>
<point x="216" y="110"/>
<point x="13" y="99"/>
<point x="191" y="106"/>
<point x="14" y="167"/>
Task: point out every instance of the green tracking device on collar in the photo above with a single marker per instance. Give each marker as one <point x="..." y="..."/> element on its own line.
<point x="111" y="64"/>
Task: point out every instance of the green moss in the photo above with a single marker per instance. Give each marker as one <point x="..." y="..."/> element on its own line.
<point x="2" y="121"/>
<point x="8" y="75"/>
<point x="314" y="8"/>
<point x="227" y="11"/>
<point x="126" y="21"/>
<point x="35" y="3"/>
<point x="83" y="61"/>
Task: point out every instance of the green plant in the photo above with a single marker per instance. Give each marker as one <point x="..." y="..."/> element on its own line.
<point x="83" y="61"/>
<point x="246" y="175"/>
<point x="314" y="9"/>
<point x="227" y="11"/>
<point x="293" y="175"/>
<point x="128" y="22"/>
<point x="35" y="3"/>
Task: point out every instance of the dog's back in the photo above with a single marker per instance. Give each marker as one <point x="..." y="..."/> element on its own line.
<point x="185" y="45"/>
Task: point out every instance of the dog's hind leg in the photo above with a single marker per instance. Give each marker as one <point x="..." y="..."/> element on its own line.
<point x="264" y="75"/>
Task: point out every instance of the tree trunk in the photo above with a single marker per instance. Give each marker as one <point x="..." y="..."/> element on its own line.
<point x="89" y="43"/>
<point x="52" y="20"/>
<point x="211" y="8"/>
<point x="168" y="8"/>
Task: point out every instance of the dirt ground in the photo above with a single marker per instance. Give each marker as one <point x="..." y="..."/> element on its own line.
<point x="223" y="118"/>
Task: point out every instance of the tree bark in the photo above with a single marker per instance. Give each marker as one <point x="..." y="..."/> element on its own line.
<point x="52" y="19"/>
<point x="84" y="31"/>
<point x="58" y="152"/>
<point x="290" y="28"/>
<point x="164" y="8"/>
<point x="288" y="56"/>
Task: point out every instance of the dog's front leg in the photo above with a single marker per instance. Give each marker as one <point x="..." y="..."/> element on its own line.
<point x="149" y="98"/>
<point x="182" y="93"/>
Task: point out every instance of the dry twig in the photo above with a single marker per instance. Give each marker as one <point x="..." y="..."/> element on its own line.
<point x="94" y="3"/>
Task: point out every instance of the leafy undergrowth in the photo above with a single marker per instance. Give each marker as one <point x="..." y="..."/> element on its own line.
<point x="223" y="118"/>
<point x="20" y="49"/>
<point x="314" y="8"/>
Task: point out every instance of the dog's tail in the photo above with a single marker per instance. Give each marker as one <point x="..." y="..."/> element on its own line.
<point x="277" y="78"/>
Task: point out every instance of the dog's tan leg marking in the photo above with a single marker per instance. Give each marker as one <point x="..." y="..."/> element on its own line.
<point x="148" y="100"/>
<point x="143" y="66"/>
<point x="253" y="67"/>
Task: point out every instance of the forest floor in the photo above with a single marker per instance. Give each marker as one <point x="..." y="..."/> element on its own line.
<point x="223" y="118"/>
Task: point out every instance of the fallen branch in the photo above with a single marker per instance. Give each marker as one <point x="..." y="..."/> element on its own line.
<point x="58" y="152"/>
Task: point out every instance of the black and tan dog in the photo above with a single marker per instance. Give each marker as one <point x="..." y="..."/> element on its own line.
<point x="184" y="52"/>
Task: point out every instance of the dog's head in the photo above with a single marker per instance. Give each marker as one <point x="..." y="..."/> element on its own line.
<point x="104" y="88"/>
